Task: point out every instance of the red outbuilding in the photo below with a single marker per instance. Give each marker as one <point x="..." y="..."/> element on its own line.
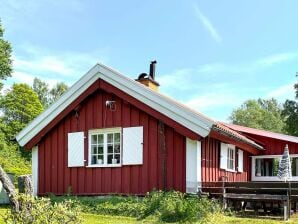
<point x="109" y="134"/>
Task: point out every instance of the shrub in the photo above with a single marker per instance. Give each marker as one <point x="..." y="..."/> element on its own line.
<point x="174" y="206"/>
<point x="171" y="206"/>
<point x="41" y="210"/>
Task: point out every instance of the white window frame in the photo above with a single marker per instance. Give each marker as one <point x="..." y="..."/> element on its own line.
<point x="267" y="178"/>
<point x="105" y="153"/>
<point x="231" y="148"/>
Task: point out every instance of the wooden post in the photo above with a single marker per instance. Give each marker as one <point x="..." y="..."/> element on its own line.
<point x="224" y="200"/>
<point x="286" y="203"/>
<point x="289" y="200"/>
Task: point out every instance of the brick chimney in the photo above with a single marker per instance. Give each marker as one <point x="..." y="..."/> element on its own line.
<point x="149" y="80"/>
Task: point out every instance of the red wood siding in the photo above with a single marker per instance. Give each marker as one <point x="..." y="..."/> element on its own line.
<point x="211" y="163"/>
<point x="56" y="177"/>
<point x="274" y="146"/>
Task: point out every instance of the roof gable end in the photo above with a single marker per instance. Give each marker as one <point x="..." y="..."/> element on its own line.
<point x="182" y="115"/>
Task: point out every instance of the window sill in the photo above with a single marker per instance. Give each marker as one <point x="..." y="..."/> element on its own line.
<point x="104" y="165"/>
<point x="232" y="171"/>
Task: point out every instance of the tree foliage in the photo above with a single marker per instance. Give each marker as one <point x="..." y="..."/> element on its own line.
<point x="20" y="105"/>
<point x="46" y="95"/>
<point x="42" y="91"/>
<point x="57" y="91"/>
<point x="260" y="114"/>
<point x="5" y="57"/>
<point x="290" y="114"/>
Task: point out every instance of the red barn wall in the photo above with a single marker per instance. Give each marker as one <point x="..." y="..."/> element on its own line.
<point x="211" y="171"/>
<point x="57" y="178"/>
<point x="274" y="146"/>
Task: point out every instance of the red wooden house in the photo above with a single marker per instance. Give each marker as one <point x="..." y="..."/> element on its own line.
<point x="111" y="134"/>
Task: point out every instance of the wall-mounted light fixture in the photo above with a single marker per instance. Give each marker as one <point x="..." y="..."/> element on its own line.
<point x="111" y="104"/>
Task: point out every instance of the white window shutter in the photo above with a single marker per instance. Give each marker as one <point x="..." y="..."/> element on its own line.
<point x="223" y="156"/>
<point x="240" y="160"/>
<point x="132" y="146"/>
<point x="75" y="149"/>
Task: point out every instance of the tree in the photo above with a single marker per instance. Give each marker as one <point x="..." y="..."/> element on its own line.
<point x="42" y="90"/>
<point x="5" y="57"/>
<point x="57" y="91"/>
<point x="45" y="95"/>
<point x="290" y="114"/>
<point x="20" y="105"/>
<point x="260" y="114"/>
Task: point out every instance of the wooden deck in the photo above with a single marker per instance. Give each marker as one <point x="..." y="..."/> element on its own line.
<point x="264" y="195"/>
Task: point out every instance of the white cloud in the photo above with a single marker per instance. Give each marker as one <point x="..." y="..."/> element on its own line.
<point x="208" y="25"/>
<point x="285" y="91"/>
<point x="52" y="67"/>
<point x="179" y="79"/>
<point x="209" y="101"/>
<point x="277" y="58"/>
<point x="44" y="62"/>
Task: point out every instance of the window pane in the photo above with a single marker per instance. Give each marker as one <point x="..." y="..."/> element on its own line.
<point x="93" y="139"/>
<point x="110" y="157"/>
<point x="117" y="157"/>
<point x="100" y="139"/>
<point x="267" y="167"/>
<point x="100" y="149"/>
<point x="294" y="166"/>
<point x="94" y="150"/>
<point x="100" y="159"/>
<point x="117" y="137"/>
<point x="110" y="148"/>
<point x="110" y="138"/>
<point x="117" y="148"/>
<point x="93" y="160"/>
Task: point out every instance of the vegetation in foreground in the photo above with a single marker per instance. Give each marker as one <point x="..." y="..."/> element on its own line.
<point x="159" y="206"/>
<point x="156" y="207"/>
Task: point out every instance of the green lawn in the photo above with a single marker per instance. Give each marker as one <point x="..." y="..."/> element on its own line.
<point x="106" y="219"/>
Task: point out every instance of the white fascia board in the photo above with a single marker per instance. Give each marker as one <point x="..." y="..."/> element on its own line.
<point x="193" y="121"/>
<point x="56" y="108"/>
<point x="186" y="117"/>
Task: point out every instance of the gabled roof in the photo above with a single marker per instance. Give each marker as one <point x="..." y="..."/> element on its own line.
<point x="190" y="119"/>
<point x="263" y="133"/>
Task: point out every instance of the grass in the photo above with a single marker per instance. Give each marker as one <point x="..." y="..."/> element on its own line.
<point x="255" y="220"/>
<point x="102" y="219"/>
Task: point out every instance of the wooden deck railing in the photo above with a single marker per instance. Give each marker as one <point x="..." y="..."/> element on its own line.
<point x="264" y="192"/>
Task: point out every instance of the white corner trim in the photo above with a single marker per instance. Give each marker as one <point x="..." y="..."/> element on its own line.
<point x="186" y="117"/>
<point x="193" y="165"/>
<point x="199" y="163"/>
<point x="35" y="169"/>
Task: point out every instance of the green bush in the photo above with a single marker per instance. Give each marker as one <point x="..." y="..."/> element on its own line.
<point x="169" y="206"/>
<point x="174" y="206"/>
<point x="41" y="210"/>
<point x="12" y="161"/>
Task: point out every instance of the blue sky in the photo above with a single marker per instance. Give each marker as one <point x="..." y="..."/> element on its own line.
<point x="212" y="55"/>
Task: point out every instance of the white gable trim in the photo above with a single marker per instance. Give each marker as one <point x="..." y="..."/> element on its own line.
<point x="184" y="116"/>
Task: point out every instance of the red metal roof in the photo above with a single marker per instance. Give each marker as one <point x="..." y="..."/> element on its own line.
<point x="264" y="133"/>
